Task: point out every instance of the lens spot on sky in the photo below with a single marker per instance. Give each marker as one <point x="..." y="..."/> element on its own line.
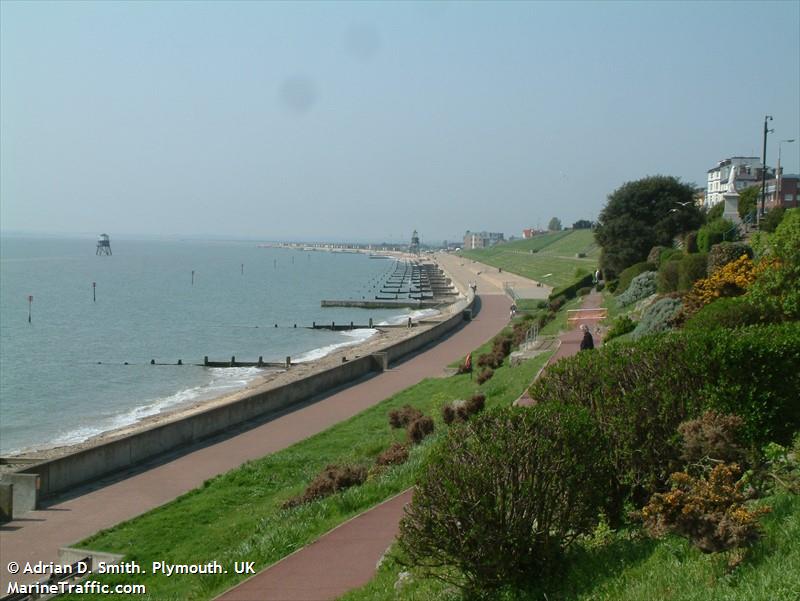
<point x="298" y="94"/>
<point x="362" y="41"/>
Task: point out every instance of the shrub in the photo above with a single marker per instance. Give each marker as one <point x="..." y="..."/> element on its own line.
<point x="778" y="282"/>
<point x="329" y="481"/>
<point x="485" y="375"/>
<point x="622" y="325"/>
<point x="726" y="252"/>
<point x="714" y="232"/>
<point x="503" y="495"/>
<point x="400" y="418"/>
<point x="396" y="454"/>
<point x="461" y="411"/>
<point x="667" y="278"/>
<point x="476" y="403"/>
<point x="654" y="256"/>
<point x="557" y="303"/>
<point x="658" y="317"/>
<point x="627" y="275"/>
<point x="670" y="254"/>
<point x="641" y="391"/>
<point x="642" y="286"/>
<point x="569" y="291"/>
<point x="715" y="212"/>
<point x="448" y="414"/>
<point x="713" y="436"/>
<point x="710" y="511"/>
<point x="731" y="280"/>
<point x="599" y="286"/>
<point x="612" y="286"/>
<point x="584" y="291"/>
<point x="773" y="219"/>
<point x="690" y="269"/>
<point x="419" y="429"/>
<point x="735" y="312"/>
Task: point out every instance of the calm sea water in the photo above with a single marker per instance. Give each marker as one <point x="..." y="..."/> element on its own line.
<point x="63" y="378"/>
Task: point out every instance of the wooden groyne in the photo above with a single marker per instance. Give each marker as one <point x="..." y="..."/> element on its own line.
<point x="387" y="303"/>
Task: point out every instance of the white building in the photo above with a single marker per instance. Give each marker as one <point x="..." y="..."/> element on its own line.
<point x="748" y="173"/>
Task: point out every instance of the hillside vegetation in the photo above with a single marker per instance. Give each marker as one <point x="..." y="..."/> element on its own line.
<point x="548" y="258"/>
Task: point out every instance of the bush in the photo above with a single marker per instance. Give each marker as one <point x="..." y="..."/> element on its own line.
<point x="396" y="454"/>
<point x="714" y="436"/>
<point x="735" y="312"/>
<point x="772" y="219"/>
<point x="584" y="291"/>
<point x="654" y="256"/>
<point x="726" y="252"/>
<point x="504" y="495"/>
<point x="631" y="272"/>
<point x="710" y="511"/>
<point x="731" y="280"/>
<point x="622" y="325"/>
<point x="670" y="254"/>
<point x="667" y="278"/>
<point x="641" y="391"/>
<point x="599" y="286"/>
<point x="571" y="290"/>
<point x="461" y="411"/>
<point x="485" y="375"/>
<point x="690" y="269"/>
<point x="557" y="303"/>
<point x="715" y="212"/>
<point x="329" y="481"/>
<point x="400" y="418"/>
<point x="448" y="414"/>
<point x="419" y="429"/>
<point x="713" y="233"/>
<point x="642" y="286"/>
<point x="778" y="283"/>
<point x="658" y="317"/>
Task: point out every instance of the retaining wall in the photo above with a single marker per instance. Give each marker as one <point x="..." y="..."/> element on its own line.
<point x="64" y="473"/>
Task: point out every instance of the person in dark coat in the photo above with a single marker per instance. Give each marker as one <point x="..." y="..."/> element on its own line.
<point x="588" y="341"/>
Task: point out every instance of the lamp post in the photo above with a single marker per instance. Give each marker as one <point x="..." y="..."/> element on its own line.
<point x="760" y="214"/>
<point x="780" y="174"/>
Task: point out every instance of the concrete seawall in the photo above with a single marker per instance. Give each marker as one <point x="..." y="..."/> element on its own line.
<point x="64" y="473"/>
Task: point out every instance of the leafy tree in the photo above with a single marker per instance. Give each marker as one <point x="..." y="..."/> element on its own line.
<point x="772" y="219"/>
<point x="554" y="225"/>
<point x="748" y="200"/>
<point x="715" y="212"/>
<point x="778" y="283"/>
<point x="642" y="214"/>
<point x="582" y="224"/>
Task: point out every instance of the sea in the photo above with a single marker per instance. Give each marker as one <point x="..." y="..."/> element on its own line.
<point x="81" y="365"/>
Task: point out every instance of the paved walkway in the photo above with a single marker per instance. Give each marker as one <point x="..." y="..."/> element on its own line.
<point x="38" y="536"/>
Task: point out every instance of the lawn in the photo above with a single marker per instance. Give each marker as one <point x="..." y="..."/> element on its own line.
<point x="238" y="516"/>
<point x="627" y="566"/>
<point x="548" y="258"/>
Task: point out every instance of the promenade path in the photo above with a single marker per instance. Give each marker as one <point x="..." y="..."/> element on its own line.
<point x="39" y="534"/>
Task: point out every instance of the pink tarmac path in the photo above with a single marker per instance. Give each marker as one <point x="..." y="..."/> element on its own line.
<point x="39" y="534"/>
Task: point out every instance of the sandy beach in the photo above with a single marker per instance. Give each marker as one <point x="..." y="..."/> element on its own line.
<point x="271" y="377"/>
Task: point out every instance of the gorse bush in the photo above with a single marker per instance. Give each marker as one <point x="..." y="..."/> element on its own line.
<point x="400" y="418"/>
<point x="712" y="437"/>
<point x="641" y="391"/>
<point x="709" y="511"/>
<point x="726" y="252"/>
<point x="732" y="279"/>
<point x="658" y="317"/>
<point x="504" y="494"/>
<point x="631" y="272"/>
<point x="419" y="429"/>
<point x="642" y="286"/>
<point x="734" y="312"/>
<point x="396" y="454"/>
<point x="485" y="375"/>
<point x="461" y="411"/>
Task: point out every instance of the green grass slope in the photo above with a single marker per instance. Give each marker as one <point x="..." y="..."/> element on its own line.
<point x="548" y="258"/>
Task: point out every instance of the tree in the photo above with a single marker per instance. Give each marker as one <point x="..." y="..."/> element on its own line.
<point x="715" y="212"/>
<point x="554" y="225"/>
<point x="582" y="224"/>
<point x="748" y="200"/>
<point x="642" y="214"/>
<point x="778" y="283"/>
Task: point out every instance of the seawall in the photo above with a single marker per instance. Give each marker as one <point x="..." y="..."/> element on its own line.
<point x="69" y="471"/>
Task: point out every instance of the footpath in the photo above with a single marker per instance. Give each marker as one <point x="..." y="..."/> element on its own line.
<point x="346" y="557"/>
<point x="39" y="534"/>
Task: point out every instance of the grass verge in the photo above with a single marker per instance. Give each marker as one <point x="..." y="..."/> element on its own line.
<point x="238" y="516"/>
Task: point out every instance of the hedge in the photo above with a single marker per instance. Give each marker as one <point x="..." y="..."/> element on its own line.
<point x="571" y="291"/>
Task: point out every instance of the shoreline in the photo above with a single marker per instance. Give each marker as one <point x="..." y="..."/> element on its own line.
<point x="385" y="336"/>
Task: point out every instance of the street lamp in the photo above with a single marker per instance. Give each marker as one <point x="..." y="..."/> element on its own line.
<point x="780" y="174"/>
<point x="760" y="213"/>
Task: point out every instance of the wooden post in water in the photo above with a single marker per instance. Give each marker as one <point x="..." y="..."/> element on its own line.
<point x="233" y="361"/>
<point x="288" y="361"/>
<point x="192" y="277"/>
<point x="205" y="361"/>
<point x="94" y="292"/>
<point x="30" y="302"/>
<point x="242" y="268"/>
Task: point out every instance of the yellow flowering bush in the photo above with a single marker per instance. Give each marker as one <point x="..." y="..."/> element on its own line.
<point x="730" y="280"/>
<point x="708" y="510"/>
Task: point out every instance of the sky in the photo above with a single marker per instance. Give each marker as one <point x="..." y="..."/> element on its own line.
<point x="365" y="121"/>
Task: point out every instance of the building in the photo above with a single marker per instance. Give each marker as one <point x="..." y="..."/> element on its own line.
<point x="748" y="173"/>
<point x="413" y="248"/>
<point x="481" y="239"/>
<point x="782" y="191"/>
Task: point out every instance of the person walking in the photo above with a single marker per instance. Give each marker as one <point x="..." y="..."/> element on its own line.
<point x="587" y="342"/>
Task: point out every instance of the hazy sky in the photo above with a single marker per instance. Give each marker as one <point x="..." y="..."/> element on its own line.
<point x="368" y="120"/>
